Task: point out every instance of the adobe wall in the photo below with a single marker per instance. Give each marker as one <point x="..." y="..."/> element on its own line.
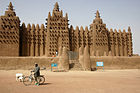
<point x="13" y="63"/>
<point x="9" y="50"/>
<point x="117" y="62"/>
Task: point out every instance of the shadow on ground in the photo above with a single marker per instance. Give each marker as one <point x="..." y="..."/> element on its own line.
<point x="45" y="84"/>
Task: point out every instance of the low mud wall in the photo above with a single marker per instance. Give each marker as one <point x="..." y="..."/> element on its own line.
<point x="12" y="63"/>
<point x="117" y="62"/>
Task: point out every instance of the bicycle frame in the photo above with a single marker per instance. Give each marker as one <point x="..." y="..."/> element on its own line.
<point x="29" y="79"/>
<point x="31" y="76"/>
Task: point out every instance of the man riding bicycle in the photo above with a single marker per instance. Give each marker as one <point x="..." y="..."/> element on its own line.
<point x="36" y="73"/>
<point x="39" y="79"/>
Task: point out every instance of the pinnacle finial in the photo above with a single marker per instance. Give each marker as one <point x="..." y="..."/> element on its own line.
<point x="115" y="30"/>
<point x="124" y="31"/>
<point x="49" y="15"/>
<point x="77" y="28"/>
<point x="56" y="7"/>
<point x="33" y="27"/>
<point x="42" y="27"/>
<point x="81" y="28"/>
<point x="97" y="14"/>
<point x="23" y="25"/>
<point x="10" y="7"/>
<point x="111" y="30"/>
<point x="71" y="27"/>
<point x="28" y="27"/>
<point x="86" y="28"/>
<point x="61" y="13"/>
<point x="129" y="29"/>
<point x="120" y="31"/>
<point x="37" y="27"/>
<point x="66" y="15"/>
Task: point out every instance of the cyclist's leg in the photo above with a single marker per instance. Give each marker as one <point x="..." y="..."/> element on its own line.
<point x="35" y="79"/>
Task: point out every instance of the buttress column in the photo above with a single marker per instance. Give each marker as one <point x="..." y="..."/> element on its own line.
<point x="29" y="40"/>
<point x="32" y="41"/>
<point x="130" y="49"/>
<point x="116" y="43"/>
<point x="125" y="43"/>
<point x="37" y="40"/>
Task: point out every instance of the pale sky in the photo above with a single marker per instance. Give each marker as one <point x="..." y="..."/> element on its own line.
<point x="116" y="14"/>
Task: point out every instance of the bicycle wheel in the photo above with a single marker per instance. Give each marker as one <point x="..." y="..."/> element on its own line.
<point x="27" y="81"/>
<point x="41" y="79"/>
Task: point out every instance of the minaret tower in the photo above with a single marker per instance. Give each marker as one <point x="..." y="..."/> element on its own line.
<point x="99" y="35"/>
<point x="9" y="28"/>
<point x="57" y="31"/>
<point x="10" y="11"/>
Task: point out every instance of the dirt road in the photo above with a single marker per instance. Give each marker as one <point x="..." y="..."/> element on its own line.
<point x="109" y="81"/>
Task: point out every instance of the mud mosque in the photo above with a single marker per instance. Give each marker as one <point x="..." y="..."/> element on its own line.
<point x="45" y="40"/>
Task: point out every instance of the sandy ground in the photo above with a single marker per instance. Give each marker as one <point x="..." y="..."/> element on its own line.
<point x="109" y="81"/>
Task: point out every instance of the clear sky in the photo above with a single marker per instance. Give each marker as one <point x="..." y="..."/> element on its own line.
<point x="116" y="14"/>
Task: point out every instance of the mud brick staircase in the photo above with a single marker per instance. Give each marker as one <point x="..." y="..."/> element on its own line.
<point x="75" y="65"/>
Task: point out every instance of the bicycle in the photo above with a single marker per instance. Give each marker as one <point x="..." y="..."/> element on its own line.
<point x="27" y="80"/>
